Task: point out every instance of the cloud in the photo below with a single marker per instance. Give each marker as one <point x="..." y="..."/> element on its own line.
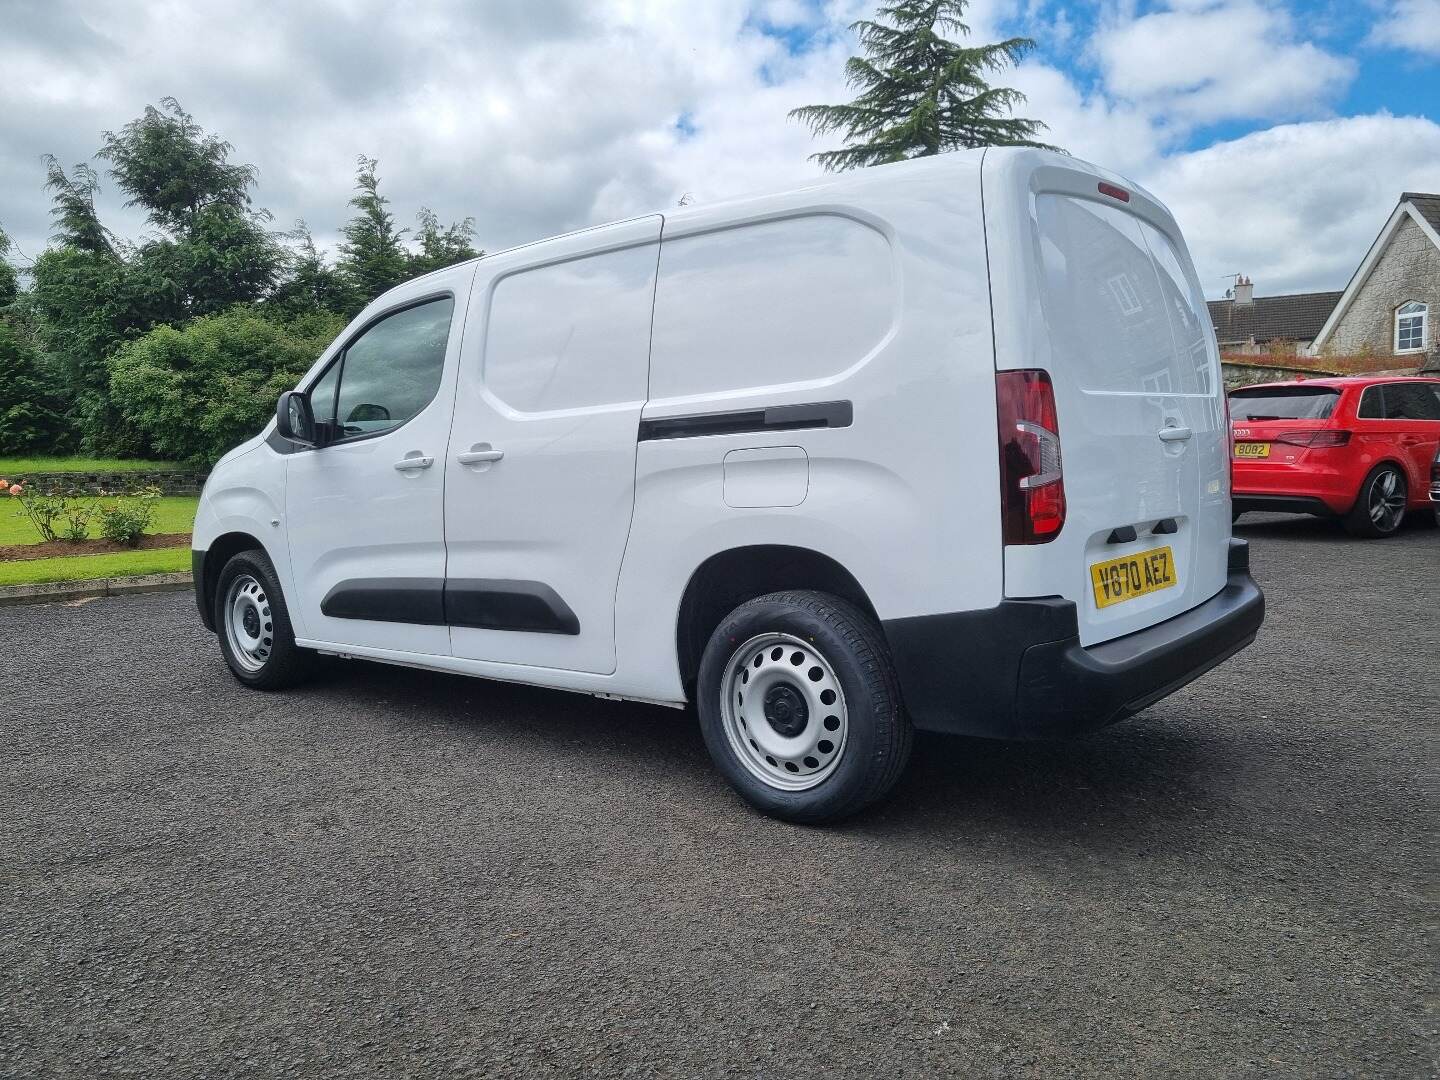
<point x="1297" y="206"/>
<point x="538" y="118"/>
<point x="1413" y="25"/>
<point x="1205" y="61"/>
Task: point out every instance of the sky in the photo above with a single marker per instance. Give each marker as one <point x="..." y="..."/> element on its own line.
<point x="1279" y="132"/>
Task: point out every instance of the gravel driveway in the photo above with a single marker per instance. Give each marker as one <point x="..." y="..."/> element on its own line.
<point x="392" y="873"/>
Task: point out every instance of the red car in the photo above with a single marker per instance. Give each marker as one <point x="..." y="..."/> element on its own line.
<point x="1359" y="449"/>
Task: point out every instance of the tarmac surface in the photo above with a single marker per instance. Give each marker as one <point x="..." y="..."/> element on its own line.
<point x="393" y="873"/>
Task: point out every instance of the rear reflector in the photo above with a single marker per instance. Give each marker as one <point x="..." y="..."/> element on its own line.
<point x="1032" y="481"/>
<point x="1115" y="192"/>
<point x="1315" y="439"/>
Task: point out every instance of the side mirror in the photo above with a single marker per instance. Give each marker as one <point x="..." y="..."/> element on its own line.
<point x="294" y="418"/>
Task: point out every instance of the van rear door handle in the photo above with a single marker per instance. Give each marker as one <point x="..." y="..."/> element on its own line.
<point x="405" y="464"/>
<point x="1175" y="434"/>
<point x="476" y="457"/>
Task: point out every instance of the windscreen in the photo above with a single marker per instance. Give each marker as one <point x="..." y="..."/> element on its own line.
<point x="1284" y="403"/>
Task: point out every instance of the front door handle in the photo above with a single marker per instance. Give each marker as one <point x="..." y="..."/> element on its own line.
<point x="1175" y="434"/>
<point x="477" y="457"/>
<point x="405" y="464"/>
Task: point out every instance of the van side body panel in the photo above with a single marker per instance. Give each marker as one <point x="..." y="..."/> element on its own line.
<point x="869" y="294"/>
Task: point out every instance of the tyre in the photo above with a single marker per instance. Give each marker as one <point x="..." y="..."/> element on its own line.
<point x="800" y="707"/>
<point x="1235" y="515"/>
<point x="253" y="624"/>
<point x="1380" y="507"/>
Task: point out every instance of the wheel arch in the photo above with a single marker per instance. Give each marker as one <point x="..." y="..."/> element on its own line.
<point x="729" y="578"/>
<point x="221" y="550"/>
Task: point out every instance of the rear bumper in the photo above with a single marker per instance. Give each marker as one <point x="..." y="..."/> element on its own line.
<point x="1018" y="670"/>
<point x="1293" y="489"/>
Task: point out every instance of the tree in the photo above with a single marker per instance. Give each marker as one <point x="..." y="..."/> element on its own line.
<point x="30" y="416"/>
<point x="9" y="279"/>
<point x="309" y="283"/>
<point x="372" y="258"/>
<point x="168" y="165"/>
<point x="214" y="250"/>
<point x="76" y="223"/>
<point x="442" y="247"/>
<point x="921" y="93"/>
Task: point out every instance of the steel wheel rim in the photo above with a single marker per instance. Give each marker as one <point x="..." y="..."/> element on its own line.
<point x="249" y="628"/>
<point x="785" y="719"/>
<point x="1387" y="501"/>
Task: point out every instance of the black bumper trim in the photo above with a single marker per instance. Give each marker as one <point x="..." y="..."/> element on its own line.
<point x="1018" y="670"/>
<point x="197" y="573"/>
<point x="1282" y="504"/>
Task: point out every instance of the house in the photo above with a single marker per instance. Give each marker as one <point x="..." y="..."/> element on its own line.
<point x="1391" y="308"/>
<point x="1251" y="325"/>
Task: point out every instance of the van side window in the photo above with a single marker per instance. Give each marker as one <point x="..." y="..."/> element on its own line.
<point x="391" y="371"/>
<point x="767" y="304"/>
<point x="574" y="334"/>
<point x="322" y="393"/>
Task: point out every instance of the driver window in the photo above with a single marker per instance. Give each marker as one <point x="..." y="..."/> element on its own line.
<point x="391" y="371"/>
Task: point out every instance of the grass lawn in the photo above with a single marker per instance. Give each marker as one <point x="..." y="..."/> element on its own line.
<point x="12" y="468"/>
<point x="89" y="567"/>
<point x="174" y="514"/>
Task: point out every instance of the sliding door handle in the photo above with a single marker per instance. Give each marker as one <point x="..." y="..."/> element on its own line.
<point x="477" y="457"/>
<point x="1175" y="434"/>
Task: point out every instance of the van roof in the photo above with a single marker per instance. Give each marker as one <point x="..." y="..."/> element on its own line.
<point x="838" y="183"/>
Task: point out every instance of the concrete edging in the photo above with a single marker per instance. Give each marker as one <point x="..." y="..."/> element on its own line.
<point x="53" y="591"/>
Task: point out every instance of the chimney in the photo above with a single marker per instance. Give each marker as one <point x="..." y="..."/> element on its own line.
<point x="1244" y="291"/>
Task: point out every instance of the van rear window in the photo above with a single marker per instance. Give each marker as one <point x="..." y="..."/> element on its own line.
<point x="1284" y="403"/>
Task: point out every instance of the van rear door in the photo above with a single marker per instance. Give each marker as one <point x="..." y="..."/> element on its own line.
<point x="1091" y="282"/>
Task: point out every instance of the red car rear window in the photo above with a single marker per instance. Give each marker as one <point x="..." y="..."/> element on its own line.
<point x="1284" y="403"/>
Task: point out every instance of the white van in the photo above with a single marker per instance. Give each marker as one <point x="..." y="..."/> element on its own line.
<point x="940" y="444"/>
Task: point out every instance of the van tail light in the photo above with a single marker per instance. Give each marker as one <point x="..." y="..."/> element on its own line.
<point x="1313" y="439"/>
<point x="1032" y="481"/>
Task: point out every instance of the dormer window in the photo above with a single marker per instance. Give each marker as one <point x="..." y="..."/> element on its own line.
<point x="1411" y="322"/>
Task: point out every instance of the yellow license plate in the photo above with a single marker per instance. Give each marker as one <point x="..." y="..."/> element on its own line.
<point x="1133" y="575"/>
<point x="1252" y="449"/>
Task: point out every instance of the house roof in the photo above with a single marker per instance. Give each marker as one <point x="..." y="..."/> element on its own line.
<point x="1418" y="206"/>
<point x="1428" y="205"/>
<point x="1296" y="317"/>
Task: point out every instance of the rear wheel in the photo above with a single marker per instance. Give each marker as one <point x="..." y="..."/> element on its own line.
<point x="1380" y="507"/>
<point x="800" y="707"/>
<point x="253" y="624"/>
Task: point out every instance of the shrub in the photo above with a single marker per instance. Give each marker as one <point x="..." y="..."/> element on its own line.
<point x="75" y="522"/>
<point x="42" y="511"/>
<point x="125" y="520"/>
<point x="195" y="393"/>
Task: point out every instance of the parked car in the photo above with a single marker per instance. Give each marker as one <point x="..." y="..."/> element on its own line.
<point x="1359" y="449"/>
<point x="1435" y="485"/>
<point x="796" y="459"/>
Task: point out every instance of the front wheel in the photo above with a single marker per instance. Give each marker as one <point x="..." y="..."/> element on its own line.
<point x="253" y="624"/>
<point x="1380" y="507"/>
<point x="800" y="707"/>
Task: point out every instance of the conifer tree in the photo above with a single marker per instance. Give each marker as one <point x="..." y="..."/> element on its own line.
<point x="372" y="258"/>
<point x="920" y="92"/>
<point x="442" y="246"/>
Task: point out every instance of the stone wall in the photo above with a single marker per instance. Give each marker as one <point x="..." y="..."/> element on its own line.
<point x="1408" y="270"/>
<point x="169" y="481"/>
<point x="1246" y="374"/>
